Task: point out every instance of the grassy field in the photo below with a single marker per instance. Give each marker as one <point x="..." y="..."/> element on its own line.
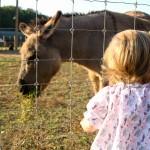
<point x="50" y="122"/>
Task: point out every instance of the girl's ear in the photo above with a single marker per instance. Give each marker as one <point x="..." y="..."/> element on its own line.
<point x="25" y="29"/>
<point x="48" y="29"/>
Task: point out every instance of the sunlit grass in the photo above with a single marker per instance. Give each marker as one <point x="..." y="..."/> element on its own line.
<point x="49" y="122"/>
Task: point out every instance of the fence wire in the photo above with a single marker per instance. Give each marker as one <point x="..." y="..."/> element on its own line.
<point x="38" y="124"/>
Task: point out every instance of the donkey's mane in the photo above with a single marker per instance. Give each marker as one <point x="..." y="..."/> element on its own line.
<point x="43" y="20"/>
<point x="81" y="14"/>
<point x="40" y="21"/>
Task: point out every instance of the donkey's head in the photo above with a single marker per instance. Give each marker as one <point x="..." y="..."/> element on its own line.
<point x="40" y="61"/>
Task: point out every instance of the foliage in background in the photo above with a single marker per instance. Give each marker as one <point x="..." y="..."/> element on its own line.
<point x="7" y="16"/>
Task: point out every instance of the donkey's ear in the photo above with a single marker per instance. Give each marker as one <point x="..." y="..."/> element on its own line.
<point x="52" y="22"/>
<point x="48" y="29"/>
<point x="56" y="18"/>
<point x="25" y="29"/>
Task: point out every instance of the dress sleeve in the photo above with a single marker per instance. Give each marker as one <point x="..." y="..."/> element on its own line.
<point x="97" y="108"/>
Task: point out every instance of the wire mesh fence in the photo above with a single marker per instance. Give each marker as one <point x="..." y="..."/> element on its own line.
<point x="52" y="120"/>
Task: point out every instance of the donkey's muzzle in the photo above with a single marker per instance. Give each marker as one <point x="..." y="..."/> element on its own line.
<point x="21" y="82"/>
<point x="29" y="89"/>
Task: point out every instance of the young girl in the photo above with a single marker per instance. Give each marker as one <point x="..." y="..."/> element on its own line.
<point x="121" y="111"/>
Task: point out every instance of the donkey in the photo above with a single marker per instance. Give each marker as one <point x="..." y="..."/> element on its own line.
<point x="50" y="44"/>
<point x="138" y="14"/>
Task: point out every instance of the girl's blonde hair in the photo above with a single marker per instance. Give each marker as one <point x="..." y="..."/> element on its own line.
<point x="127" y="58"/>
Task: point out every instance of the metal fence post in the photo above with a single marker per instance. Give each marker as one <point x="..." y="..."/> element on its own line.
<point x="16" y="27"/>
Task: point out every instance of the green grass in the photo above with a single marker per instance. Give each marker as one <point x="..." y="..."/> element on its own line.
<point x="7" y="48"/>
<point x="50" y="122"/>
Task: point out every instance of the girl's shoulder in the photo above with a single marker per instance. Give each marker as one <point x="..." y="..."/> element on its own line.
<point x="125" y="85"/>
<point x="113" y="88"/>
<point x="119" y="87"/>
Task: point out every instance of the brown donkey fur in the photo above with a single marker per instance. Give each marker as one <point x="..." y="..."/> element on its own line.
<point x="51" y="45"/>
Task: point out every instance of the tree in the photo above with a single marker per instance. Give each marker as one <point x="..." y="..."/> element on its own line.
<point x="7" y="16"/>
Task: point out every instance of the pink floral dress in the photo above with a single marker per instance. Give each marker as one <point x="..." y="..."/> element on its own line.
<point x="121" y="113"/>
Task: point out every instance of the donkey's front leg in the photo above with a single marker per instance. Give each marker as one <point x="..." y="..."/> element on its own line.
<point x="95" y="81"/>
